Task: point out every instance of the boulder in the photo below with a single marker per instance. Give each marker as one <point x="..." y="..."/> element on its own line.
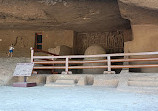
<point x="94" y="50"/>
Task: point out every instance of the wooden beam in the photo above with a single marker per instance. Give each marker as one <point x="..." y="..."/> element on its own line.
<point x="100" y="55"/>
<point x="97" y="61"/>
<point x="116" y="66"/>
<point x="135" y="66"/>
<point x="134" y="59"/>
<point x="49" y="67"/>
<point x="88" y="67"/>
<point x="70" y="62"/>
<point x="49" y="62"/>
<point x="98" y="67"/>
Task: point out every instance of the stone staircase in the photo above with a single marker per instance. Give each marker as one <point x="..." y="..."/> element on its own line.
<point x="62" y="83"/>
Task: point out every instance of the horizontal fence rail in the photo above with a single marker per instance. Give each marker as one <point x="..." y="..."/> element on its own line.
<point x="68" y="62"/>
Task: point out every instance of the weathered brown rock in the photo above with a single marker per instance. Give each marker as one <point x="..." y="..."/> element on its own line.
<point x="72" y="15"/>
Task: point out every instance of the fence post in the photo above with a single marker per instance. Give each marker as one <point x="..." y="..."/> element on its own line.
<point x="109" y="66"/>
<point x="109" y="63"/>
<point x="67" y="65"/>
<point x="32" y="53"/>
<point x="52" y="57"/>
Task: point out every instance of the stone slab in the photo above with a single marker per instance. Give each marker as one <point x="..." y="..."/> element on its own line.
<point x="106" y="83"/>
<point x="143" y="83"/>
<point x="69" y="81"/>
<point x="59" y="85"/>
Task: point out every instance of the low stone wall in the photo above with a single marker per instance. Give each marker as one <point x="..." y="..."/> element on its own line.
<point x="108" y="80"/>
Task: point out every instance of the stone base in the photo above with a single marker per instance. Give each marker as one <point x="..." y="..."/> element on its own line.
<point x="109" y="72"/>
<point x="64" y="72"/>
<point x="24" y="84"/>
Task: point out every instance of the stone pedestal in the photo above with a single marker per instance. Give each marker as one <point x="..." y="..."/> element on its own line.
<point x="24" y="84"/>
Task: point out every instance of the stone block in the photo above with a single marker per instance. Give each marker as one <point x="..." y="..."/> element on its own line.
<point x="106" y="83"/>
<point x="82" y="82"/>
<point x="89" y="80"/>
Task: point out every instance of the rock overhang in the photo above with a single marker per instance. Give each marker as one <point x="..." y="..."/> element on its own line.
<point x="77" y="15"/>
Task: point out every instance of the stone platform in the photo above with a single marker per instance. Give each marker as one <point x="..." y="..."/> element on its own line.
<point x="125" y="81"/>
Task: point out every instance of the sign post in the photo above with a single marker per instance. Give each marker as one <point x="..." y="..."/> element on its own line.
<point x="25" y="70"/>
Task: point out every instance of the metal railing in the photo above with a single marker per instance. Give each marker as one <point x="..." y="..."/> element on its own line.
<point x="67" y="60"/>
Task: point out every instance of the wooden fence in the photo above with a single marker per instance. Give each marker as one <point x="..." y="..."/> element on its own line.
<point x="67" y="60"/>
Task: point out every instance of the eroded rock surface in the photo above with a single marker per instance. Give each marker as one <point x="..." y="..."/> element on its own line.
<point x="73" y="15"/>
<point x="139" y="11"/>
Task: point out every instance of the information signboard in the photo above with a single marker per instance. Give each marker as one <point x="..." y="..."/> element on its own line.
<point x="23" y="69"/>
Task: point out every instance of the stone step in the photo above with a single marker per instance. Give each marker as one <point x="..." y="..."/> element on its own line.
<point x="143" y="79"/>
<point x="107" y="83"/>
<point x="65" y="81"/>
<point x="62" y="83"/>
<point x="143" y="83"/>
<point x="59" y="85"/>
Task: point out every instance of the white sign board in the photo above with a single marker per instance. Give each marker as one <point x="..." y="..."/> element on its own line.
<point x="23" y="69"/>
